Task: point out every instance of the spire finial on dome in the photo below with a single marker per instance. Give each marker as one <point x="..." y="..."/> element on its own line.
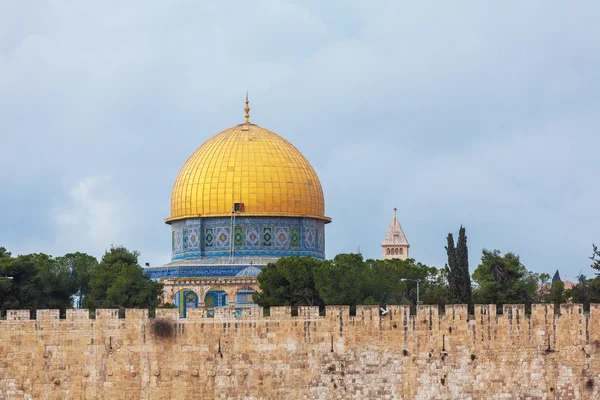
<point x="247" y="109"/>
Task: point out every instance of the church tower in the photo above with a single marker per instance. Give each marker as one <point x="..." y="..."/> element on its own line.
<point x="395" y="244"/>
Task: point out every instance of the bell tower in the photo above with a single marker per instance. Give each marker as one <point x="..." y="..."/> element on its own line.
<point x="395" y="244"/>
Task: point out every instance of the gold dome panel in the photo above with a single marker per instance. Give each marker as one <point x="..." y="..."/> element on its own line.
<point x="251" y="165"/>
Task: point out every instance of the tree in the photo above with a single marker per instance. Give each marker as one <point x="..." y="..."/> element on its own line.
<point x="557" y="292"/>
<point x="395" y="282"/>
<point x="56" y="285"/>
<point x="288" y="282"/>
<point x="348" y="280"/>
<point x="341" y="280"/>
<point x="586" y="291"/>
<point x="550" y="290"/>
<point x="79" y="266"/>
<point x="457" y="268"/>
<point x="595" y="258"/>
<point x="119" y="281"/>
<point x="38" y="282"/>
<point x="556" y="277"/>
<point x="503" y="280"/>
<point x="544" y="286"/>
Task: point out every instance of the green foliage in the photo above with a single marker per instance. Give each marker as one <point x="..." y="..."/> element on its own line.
<point x="288" y="282"/>
<point x="586" y="291"/>
<point x="39" y="281"/>
<point x="457" y="268"/>
<point x="395" y="282"/>
<point x="118" y="281"/>
<point x="595" y="258"/>
<point x="551" y="290"/>
<point x="79" y="265"/>
<point x="503" y="280"/>
<point x="557" y="292"/>
<point x="348" y="280"/>
<point x="341" y="280"/>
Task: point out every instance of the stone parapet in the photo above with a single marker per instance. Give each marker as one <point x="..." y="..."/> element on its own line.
<point x="435" y="353"/>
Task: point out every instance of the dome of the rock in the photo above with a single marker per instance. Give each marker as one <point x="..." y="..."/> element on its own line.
<point x="244" y="198"/>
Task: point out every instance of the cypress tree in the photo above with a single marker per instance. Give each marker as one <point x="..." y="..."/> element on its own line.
<point x="459" y="279"/>
<point x="462" y="264"/>
<point x="451" y="269"/>
<point x="556" y="277"/>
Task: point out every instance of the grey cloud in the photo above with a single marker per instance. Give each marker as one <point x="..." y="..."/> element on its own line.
<point x="455" y="113"/>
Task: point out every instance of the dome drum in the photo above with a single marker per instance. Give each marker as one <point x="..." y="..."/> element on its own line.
<point x="224" y="238"/>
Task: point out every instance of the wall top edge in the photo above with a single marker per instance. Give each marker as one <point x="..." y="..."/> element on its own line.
<point x="394" y="312"/>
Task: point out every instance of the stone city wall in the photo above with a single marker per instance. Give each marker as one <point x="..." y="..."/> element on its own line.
<point x="336" y="356"/>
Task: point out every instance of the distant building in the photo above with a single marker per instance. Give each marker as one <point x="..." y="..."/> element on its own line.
<point x="395" y="244"/>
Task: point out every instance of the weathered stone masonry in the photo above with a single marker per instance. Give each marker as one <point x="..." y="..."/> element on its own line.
<point x="397" y="356"/>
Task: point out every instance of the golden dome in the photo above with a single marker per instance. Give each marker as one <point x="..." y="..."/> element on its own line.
<point x="251" y="165"/>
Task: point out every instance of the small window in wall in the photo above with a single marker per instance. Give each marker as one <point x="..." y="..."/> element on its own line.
<point x="401" y="250"/>
<point x="388" y="251"/>
<point x="396" y="252"/>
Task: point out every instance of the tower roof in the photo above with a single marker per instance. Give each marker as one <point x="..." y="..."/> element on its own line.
<point x="395" y="235"/>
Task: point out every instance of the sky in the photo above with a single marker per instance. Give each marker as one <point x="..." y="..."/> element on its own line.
<point x="484" y="114"/>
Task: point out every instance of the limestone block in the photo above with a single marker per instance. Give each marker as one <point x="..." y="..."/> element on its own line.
<point x="337" y="312"/>
<point x="78" y="314"/>
<point x="18" y="315"/>
<point x="136" y="314"/>
<point x="107" y="313"/>
<point x="47" y="315"/>
<point x="308" y="311"/>
<point x="169" y="313"/>
<point x="594" y="325"/>
<point x="252" y="312"/>
<point x="224" y="313"/>
<point x="196" y="313"/>
<point x="368" y="316"/>
<point x="281" y="312"/>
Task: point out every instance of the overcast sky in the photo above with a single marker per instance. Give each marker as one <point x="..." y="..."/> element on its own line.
<point x="485" y="115"/>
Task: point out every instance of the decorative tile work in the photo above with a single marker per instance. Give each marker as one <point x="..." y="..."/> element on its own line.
<point x="177" y="239"/>
<point x="294" y="237"/>
<point x="267" y="236"/>
<point x="175" y="272"/>
<point x="193" y="241"/>
<point x="321" y="241"/>
<point x="273" y="237"/>
<point x="209" y="237"/>
<point x="238" y="236"/>
<point x="252" y="236"/>
<point x="222" y="237"/>
<point x="282" y="237"/>
<point x="310" y="235"/>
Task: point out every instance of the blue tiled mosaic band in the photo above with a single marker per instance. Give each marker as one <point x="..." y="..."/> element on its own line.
<point x="194" y="272"/>
<point x="201" y="238"/>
